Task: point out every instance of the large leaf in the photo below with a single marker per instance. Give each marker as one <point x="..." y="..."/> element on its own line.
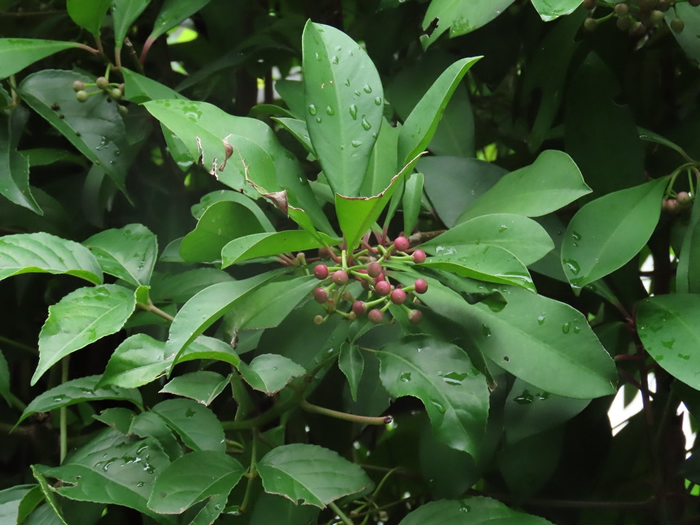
<point x="89" y="15"/>
<point x="196" y="425"/>
<point x="420" y="126"/>
<point x="688" y="38"/>
<point x="272" y="243"/>
<point x="45" y="253"/>
<point x="10" y="500"/>
<point x="474" y="511"/>
<point x="14" y="166"/>
<point x="78" y="391"/>
<point x="344" y="102"/>
<point x="460" y="17"/>
<point x="549" y="10"/>
<point x="128" y="253"/>
<point x="441" y="375"/>
<point x="551" y="182"/>
<point x="687" y="276"/>
<point x="193" y="478"/>
<point x="124" y="13"/>
<point x="80" y="318"/>
<point x="383" y="163"/>
<point x="18" y="53"/>
<point x="137" y="361"/>
<point x="607" y="232"/>
<point x="270" y="373"/>
<point x="312" y="474"/>
<point x="203" y="386"/>
<point x="669" y="328"/>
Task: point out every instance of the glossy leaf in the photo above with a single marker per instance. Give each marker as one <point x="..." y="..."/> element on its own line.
<point x="352" y="364"/>
<point x="609" y="231"/>
<point x="481" y="511"/>
<point x="14" y="166"/>
<point x="312" y="474"/>
<point x="78" y="391"/>
<point x="687" y="277"/>
<point x="460" y="17"/>
<point x="148" y="424"/>
<point x="549" y="11"/>
<point x="193" y="478"/>
<point x="521" y="236"/>
<point x="137" y="361"/>
<point x="196" y="425"/>
<point x="18" y="53"/>
<point x="441" y="375"/>
<point x="202" y="386"/>
<point x="209" y="348"/>
<point x="111" y="469"/>
<point x="139" y="89"/>
<point x="270" y="373"/>
<point x="45" y="253"/>
<point x="419" y="128"/>
<point x="412" y="201"/>
<point x="272" y="243"/>
<point x="124" y="13"/>
<point x="80" y="318"/>
<point x="299" y="131"/>
<point x="551" y="182"/>
<point x="88" y="15"/>
<point x="669" y="328"/>
<point x="383" y="163"/>
<point x="128" y="253"/>
<point x="344" y="102"/>
<point x="172" y="13"/>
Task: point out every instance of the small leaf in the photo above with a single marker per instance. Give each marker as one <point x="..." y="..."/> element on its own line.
<point x="80" y="318"/>
<point x="14" y="166"/>
<point x="137" y="361"/>
<point x="412" y="201"/>
<point x="312" y="474"/>
<point x="650" y="136"/>
<point x="172" y="13"/>
<point x="209" y="348"/>
<point x="549" y="11"/>
<point x="148" y="424"/>
<point x="272" y="243"/>
<point x="18" y="53"/>
<point x="78" y="391"/>
<point x="196" y="425"/>
<point x="118" y="418"/>
<point x="441" y="375"/>
<point x="609" y="231"/>
<point x="270" y="373"/>
<point x="551" y="182"/>
<point x="4" y="379"/>
<point x="125" y="13"/>
<point x="45" y="253"/>
<point x="193" y="478"/>
<point x="480" y="511"/>
<point x="460" y="17"/>
<point x="669" y="328"/>
<point x="383" y="163"/>
<point x="297" y="128"/>
<point x="202" y="386"/>
<point x="344" y="102"/>
<point x="352" y="364"/>
<point x="88" y="15"/>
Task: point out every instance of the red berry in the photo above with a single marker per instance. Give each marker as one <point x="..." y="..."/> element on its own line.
<point x="420" y="286"/>
<point x="382" y="288"/>
<point x="321" y="271"/>
<point x="320" y="295"/>
<point x="375" y="316"/>
<point x="398" y="296"/>
<point x="401" y="243"/>
<point x="340" y="277"/>
<point x="419" y="256"/>
<point x="414" y="316"/>
<point x="374" y="269"/>
<point x="359" y="308"/>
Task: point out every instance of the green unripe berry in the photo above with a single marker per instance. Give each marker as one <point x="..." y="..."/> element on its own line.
<point x="319" y="319"/>
<point x="656" y="17"/>
<point x="102" y="82"/>
<point x="622" y="10"/>
<point x="623" y="24"/>
<point x="664" y="5"/>
<point x="589" y="4"/>
<point x="677" y="25"/>
<point x="78" y="86"/>
<point x="115" y="93"/>
<point x="590" y="24"/>
<point x="82" y="96"/>
<point x="694" y="3"/>
<point x="123" y="110"/>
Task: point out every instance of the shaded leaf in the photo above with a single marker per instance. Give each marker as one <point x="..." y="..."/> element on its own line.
<point x="481" y="511"/>
<point x="89" y="15"/>
<point x="14" y="166"/>
<point x="181" y="287"/>
<point x="202" y="386"/>
<point x="352" y="364"/>
<point x="18" y="53"/>
<point x="412" y="201"/>
<point x="148" y="424"/>
<point x="196" y="425"/>
<point x="118" y="418"/>
<point x="687" y="277"/>
<point x="124" y="13"/>
<point x="139" y="89"/>
<point x="383" y="163"/>
<point x="172" y="13"/>
<point x="10" y="500"/>
<point x="266" y="244"/>
<point x="460" y="17"/>
<point x="209" y="348"/>
<point x="4" y="379"/>
<point x="270" y="373"/>
<point x="549" y="11"/>
<point x="137" y="361"/>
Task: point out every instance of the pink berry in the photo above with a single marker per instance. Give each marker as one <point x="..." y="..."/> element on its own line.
<point x="321" y="271"/>
<point x="398" y="296"/>
<point x="414" y="316"/>
<point x="374" y="269"/>
<point x="340" y="277"/>
<point x="359" y="308"/>
<point x="382" y="288"/>
<point x="379" y="277"/>
<point x="324" y="253"/>
<point x="419" y="256"/>
<point x="401" y="243"/>
<point x="683" y="197"/>
<point x="375" y="316"/>
<point x="420" y="286"/>
<point x="320" y="295"/>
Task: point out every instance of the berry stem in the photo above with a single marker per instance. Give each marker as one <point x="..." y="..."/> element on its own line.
<point x="363" y="420"/>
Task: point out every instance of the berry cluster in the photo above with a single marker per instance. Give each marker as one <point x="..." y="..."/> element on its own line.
<point x="635" y="16"/>
<point x="368" y="270"/>
<point x="682" y="201"/>
<point x="103" y="85"/>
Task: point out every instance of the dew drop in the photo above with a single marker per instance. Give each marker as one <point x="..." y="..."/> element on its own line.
<point x="347" y="82"/>
<point x="319" y="119"/>
<point x="502" y="228"/>
<point x="566" y="327"/>
<point x="366" y="88"/>
<point x="353" y="111"/>
<point x="485" y="330"/>
<point x="356" y="143"/>
<point x="312" y="109"/>
<point x="405" y="377"/>
<point x="366" y="125"/>
<point x="541" y="319"/>
<point x="576" y="236"/>
<point x="378" y="101"/>
<point x="330" y="110"/>
<point x="335" y="59"/>
<point x="572" y="266"/>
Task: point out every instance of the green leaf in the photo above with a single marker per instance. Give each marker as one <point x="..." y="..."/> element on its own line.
<point x="88" y="15"/>
<point x="461" y="17"/>
<point x="48" y="156"/>
<point x="10" y="500"/>
<point x="272" y="243"/>
<point x="140" y="89"/>
<point x="125" y="13"/>
<point x="412" y="201"/>
<point x="181" y="287"/>
<point x="172" y="13"/>
<point x="420" y="126"/>
<point x="383" y="162"/>
<point x="441" y="375"/>
<point x="669" y="328"/>
<point x="45" y="253"/>
<point x="212" y="198"/>
<point x="552" y="10"/>
<point x="205" y="308"/>
<point x="137" y="361"/>
<point x="269" y="508"/>
<point x="344" y="102"/>
<point x="351" y="363"/>
<point x="111" y="469"/>
<point x="196" y="425"/>
<point x="292" y="92"/>
<point x="609" y="231"/>
<point x="481" y="511"/>
<point x="202" y="386"/>
<point x="688" y="38"/>
<point x="270" y="373"/>
<point x="297" y="128"/>
<point x="14" y="166"/>
<point x="551" y="182"/>
<point x="128" y="253"/>
<point x="649" y="136"/>
<point x="118" y="418"/>
<point x="209" y="348"/>
<point x="687" y="277"/>
<point x="521" y="236"/>
<point x="94" y="127"/>
<point x="18" y="53"/>
<point x="148" y="424"/>
<point x="4" y="379"/>
<point x="49" y="496"/>
<point x="80" y="318"/>
<point x="312" y="474"/>
<point x="78" y="391"/>
<point x="193" y="478"/>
